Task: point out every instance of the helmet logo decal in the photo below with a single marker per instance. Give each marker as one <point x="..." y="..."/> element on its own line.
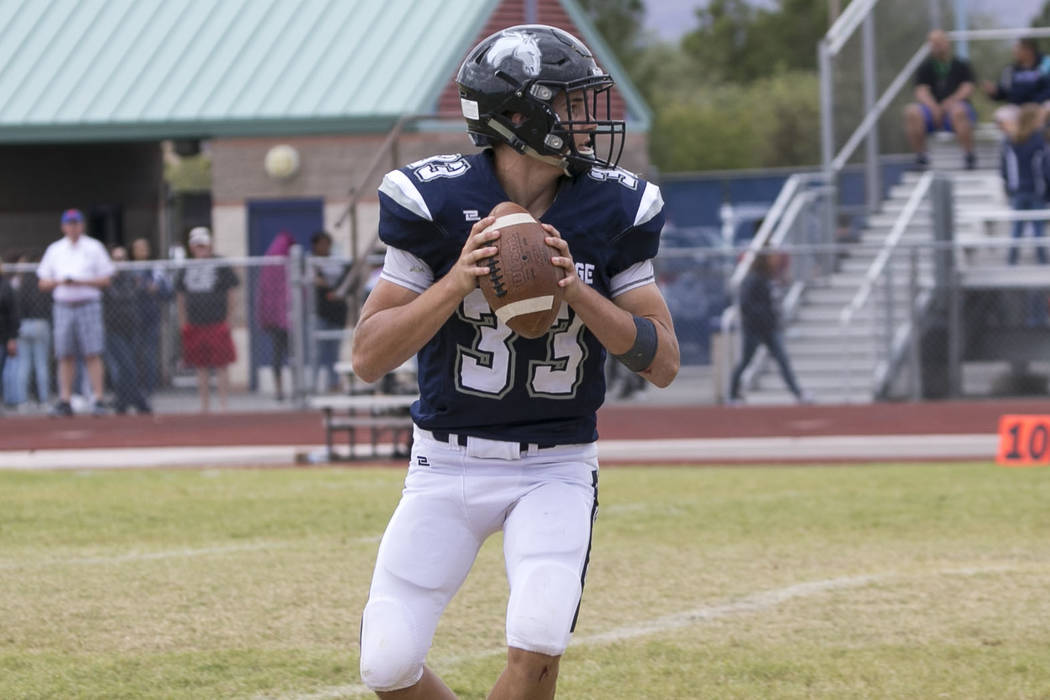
<point x="520" y="46"/>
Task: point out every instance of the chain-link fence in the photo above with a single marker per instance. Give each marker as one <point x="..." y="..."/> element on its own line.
<point x="908" y="318"/>
<point x="179" y="335"/>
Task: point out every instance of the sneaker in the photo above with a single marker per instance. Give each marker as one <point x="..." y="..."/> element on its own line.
<point x="736" y="401"/>
<point x="921" y="162"/>
<point x="805" y="398"/>
<point x="971" y="161"/>
<point x="99" y="409"/>
<point x="62" y="409"/>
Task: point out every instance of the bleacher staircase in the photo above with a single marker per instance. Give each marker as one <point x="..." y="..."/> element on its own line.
<point x="814" y="333"/>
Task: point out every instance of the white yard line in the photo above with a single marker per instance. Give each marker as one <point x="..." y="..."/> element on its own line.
<point x="752" y="604"/>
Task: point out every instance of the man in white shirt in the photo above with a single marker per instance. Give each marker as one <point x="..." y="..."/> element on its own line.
<point x="75" y="268"/>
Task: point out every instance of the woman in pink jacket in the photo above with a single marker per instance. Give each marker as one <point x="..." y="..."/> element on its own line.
<point x="271" y="305"/>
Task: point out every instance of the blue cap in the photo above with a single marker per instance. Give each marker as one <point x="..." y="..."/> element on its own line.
<point x="70" y="215"/>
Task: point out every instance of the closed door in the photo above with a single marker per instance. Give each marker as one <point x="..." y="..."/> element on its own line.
<point x="267" y="218"/>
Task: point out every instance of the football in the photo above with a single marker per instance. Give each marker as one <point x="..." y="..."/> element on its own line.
<point x="522" y="284"/>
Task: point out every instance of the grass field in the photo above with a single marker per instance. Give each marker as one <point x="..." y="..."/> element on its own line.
<point x="927" y="581"/>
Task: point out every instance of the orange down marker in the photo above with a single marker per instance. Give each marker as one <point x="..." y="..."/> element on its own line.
<point x="1024" y="441"/>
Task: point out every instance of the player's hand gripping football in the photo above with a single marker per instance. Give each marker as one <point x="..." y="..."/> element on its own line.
<point x="570" y="283"/>
<point x="476" y="250"/>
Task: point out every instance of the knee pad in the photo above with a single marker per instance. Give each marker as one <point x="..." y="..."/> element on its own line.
<point x="542" y="607"/>
<point x="391" y="652"/>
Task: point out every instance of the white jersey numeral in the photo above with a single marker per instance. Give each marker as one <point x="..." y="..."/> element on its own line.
<point x="558" y="376"/>
<point x="486" y="368"/>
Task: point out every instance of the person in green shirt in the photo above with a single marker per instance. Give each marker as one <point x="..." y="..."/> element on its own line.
<point x="943" y="85"/>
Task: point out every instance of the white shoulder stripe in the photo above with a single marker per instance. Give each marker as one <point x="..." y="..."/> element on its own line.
<point x="651" y="204"/>
<point x="637" y="275"/>
<point x="406" y="270"/>
<point x="400" y="188"/>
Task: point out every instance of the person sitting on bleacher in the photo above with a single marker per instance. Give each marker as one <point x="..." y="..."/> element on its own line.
<point x="943" y="85"/>
<point x="1025" y="166"/>
<point x="1026" y="80"/>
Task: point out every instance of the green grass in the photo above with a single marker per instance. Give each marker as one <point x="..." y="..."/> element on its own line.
<point x="926" y="582"/>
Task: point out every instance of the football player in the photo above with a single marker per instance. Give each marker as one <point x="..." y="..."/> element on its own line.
<point x="504" y="436"/>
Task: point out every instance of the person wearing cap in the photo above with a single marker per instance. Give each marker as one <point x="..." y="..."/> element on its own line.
<point x="203" y="297"/>
<point x="75" y="269"/>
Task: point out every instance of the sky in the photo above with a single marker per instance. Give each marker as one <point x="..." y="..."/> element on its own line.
<point x="669" y="19"/>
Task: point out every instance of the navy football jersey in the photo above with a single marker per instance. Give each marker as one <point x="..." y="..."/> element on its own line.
<point x="476" y="376"/>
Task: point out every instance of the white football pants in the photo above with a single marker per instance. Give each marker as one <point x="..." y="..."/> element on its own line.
<point x="544" y="501"/>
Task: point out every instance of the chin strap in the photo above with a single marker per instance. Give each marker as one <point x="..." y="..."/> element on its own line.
<point x="520" y="146"/>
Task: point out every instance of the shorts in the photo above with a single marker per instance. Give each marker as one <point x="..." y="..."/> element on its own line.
<point x="544" y="500"/>
<point x="78" y="329"/>
<point x="927" y="117"/>
<point x="207" y="346"/>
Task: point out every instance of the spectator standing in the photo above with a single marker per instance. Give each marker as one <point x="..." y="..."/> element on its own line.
<point x="271" y="306"/>
<point x="152" y="291"/>
<point x="122" y="325"/>
<point x="75" y="269"/>
<point x="8" y="324"/>
<point x="761" y="325"/>
<point x="330" y="306"/>
<point x="1026" y="173"/>
<point x="204" y="294"/>
<point x="943" y="85"/>
<point x="12" y="395"/>
<point x="34" y="336"/>
<point x="1024" y="81"/>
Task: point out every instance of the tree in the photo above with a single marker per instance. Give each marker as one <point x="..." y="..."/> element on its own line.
<point x="721" y="47"/>
<point x="619" y="22"/>
<point x="737" y="42"/>
<point x="766" y="123"/>
<point x="1043" y="18"/>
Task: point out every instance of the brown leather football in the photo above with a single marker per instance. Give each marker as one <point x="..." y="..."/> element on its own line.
<point x="522" y="284"/>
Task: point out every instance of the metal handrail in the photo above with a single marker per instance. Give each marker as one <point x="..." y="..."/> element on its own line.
<point x="905" y="75"/>
<point x="899" y="344"/>
<point x="989" y="215"/>
<point x="871" y="119"/>
<point x="790" y="303"/>
<point x="388" y="149"/>
<point x="842" y="29"/>
<point x="731" y="314"/>
<point x="384" y="149"/>
<point x="878" y="265"/>
<point x="358" y="267"/>
<point x="876" y="270"/>
<point x="791" y="201"/>
<point x="1011" y="33"/>
<point x="770" y="225"/>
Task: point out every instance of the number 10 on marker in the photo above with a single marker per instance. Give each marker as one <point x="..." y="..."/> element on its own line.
<point x="1024" y="441"/>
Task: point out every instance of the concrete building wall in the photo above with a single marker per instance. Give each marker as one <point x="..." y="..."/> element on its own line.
<point x="331" y="167"/>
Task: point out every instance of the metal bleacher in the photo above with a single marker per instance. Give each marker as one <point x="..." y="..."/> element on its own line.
<point x="860" y="323"/>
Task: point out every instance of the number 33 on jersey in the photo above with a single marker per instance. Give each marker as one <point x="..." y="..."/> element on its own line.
<point x="476" y="372"/>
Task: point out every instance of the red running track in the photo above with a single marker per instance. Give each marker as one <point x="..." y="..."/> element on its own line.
<point x="619" y="421"/>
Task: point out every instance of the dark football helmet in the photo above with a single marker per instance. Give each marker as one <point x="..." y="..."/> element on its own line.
<point x="512" y="85"/>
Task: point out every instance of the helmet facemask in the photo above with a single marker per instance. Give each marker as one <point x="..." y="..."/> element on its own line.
<point x="587" y="112"/>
